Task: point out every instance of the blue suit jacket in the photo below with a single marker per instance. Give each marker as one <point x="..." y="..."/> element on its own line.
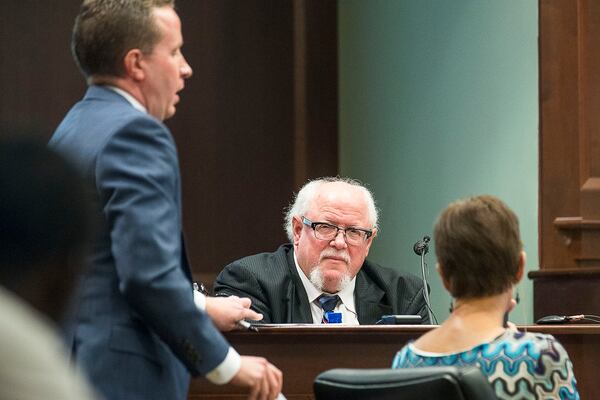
<point x="136" y="331"/>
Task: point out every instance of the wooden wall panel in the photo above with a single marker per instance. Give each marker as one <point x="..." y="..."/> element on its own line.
<point x="570" y="135"/>
<point x="569" y="158"/>
<point x="240" y="159"/>
<point x="38" y="79"/>
<point x="235" y="128"/>
<point x="559" y="130"/>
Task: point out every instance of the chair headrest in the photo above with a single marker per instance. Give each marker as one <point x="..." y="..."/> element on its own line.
<point x="450" y="383"/>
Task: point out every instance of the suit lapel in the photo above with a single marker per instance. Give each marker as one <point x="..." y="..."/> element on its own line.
<point x="296" y="299"/>
<point x="367" y="297"/>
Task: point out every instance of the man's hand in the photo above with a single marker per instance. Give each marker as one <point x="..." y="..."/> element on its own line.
<point x="227" y="311"/>
<point x="263" y="378"/>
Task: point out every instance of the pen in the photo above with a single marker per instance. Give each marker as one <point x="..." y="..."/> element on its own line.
<point x="200" y="288"/>
<point x="247" y="326"/>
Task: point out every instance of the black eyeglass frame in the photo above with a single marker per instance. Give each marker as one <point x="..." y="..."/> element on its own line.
<point x="313" y="225"/>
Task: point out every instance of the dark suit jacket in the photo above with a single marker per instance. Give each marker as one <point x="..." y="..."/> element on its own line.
<point x="136" y="331"/>
<point x="272" y="282"/>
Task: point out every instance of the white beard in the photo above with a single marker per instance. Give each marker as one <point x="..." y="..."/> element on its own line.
<point x="316" y="278"/>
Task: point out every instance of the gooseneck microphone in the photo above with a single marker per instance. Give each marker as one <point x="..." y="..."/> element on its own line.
<point x="421" y="248"/>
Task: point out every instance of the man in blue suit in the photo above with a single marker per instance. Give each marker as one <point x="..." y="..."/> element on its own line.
<point x="137" y="331"/>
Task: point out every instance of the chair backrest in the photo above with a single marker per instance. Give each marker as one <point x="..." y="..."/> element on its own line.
<point x="448" y="383"/>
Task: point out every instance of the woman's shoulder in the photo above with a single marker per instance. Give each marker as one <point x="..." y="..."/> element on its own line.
<point x="528" y="341"/>
<point x="407" y="348"/>
<point x="516" y="345"/>
<point x="531" y="345"/>
<point x="541" y="355"/>
<point x="537" y="360"/>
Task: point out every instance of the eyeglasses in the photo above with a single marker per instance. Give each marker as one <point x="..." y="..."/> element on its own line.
<point x="325" y="231"/>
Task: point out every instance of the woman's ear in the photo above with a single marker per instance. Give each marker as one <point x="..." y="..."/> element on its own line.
<point x="521" y="268"/>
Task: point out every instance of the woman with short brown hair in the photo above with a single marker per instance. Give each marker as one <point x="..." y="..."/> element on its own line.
<point x="480" y="259"/>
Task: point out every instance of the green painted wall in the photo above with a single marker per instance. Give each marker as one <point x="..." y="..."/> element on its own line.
<point x="438" y="101"/>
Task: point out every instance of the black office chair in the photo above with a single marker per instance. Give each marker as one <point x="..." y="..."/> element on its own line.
<point x="448" y="383"/>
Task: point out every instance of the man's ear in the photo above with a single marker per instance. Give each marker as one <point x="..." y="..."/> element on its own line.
<point x="296" y="228"/>
<point x="132" y="63"/>
<point x="374" y="234"/>
<point x="370" y="241"/>
<point x="521" y="268"/>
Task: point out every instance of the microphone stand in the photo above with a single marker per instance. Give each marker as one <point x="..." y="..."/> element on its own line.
<point x="421" y="248"/>
<point x="425" y="290"/>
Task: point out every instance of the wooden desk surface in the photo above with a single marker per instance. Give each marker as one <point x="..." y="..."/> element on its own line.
<point x="302" y="352"/>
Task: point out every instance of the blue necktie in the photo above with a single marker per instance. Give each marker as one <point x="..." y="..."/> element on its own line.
<point x="328" y="303"/>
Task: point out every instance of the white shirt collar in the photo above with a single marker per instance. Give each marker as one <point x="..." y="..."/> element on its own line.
<point x="132" y="100"/>
<point x="346" y="294"/>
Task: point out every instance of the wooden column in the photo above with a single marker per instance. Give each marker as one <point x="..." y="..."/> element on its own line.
<point x="569" y="272"/>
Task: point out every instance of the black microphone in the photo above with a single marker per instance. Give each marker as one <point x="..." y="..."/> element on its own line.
<point x="422" y="246"/>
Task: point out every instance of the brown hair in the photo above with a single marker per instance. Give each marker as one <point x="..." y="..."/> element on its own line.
<point x="105" y="30"/>
<point x="477" y="244"/>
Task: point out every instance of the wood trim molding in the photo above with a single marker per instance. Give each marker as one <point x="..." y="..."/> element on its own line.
<point x="576" y="223"/>
<point x="569" y="139"/>
<point x="564" y="273"/>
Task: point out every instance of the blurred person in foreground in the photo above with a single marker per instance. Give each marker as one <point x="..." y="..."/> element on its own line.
<point x="480" y="260"/>
<point x="137" y="331"/>
<point x="44" y="227"/>
<point x="331" y="225"/>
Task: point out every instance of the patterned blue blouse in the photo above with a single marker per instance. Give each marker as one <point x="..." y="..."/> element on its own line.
<point x="519" y="365"/>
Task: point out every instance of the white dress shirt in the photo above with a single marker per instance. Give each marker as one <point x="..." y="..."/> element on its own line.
<point x="132" y="100"/>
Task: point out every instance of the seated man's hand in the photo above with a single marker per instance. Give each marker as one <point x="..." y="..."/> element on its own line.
<point x="262" y="378"/>
<point x="227" y="311"/>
